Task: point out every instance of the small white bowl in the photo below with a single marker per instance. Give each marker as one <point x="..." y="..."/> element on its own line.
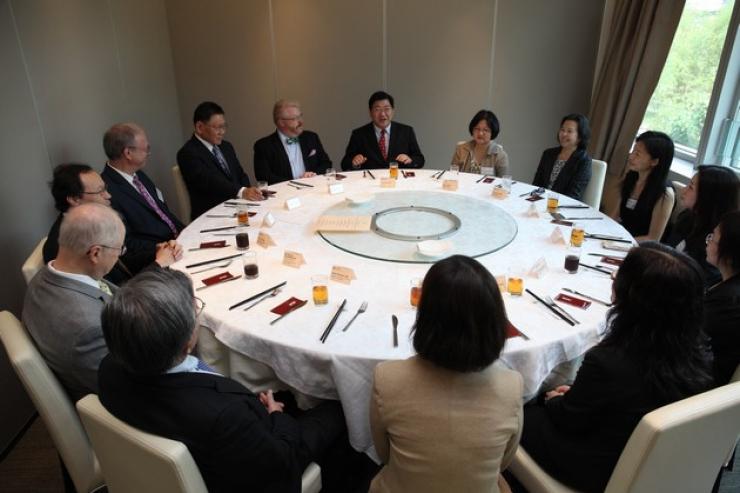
<point x="360" y="198"/>
<point x="434" y="248"/>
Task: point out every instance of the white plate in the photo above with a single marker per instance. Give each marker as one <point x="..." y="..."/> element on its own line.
<point x="360" y="198"/>
<point x="434" y="248"/>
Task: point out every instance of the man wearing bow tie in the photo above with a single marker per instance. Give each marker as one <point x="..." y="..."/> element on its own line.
<point x="290" y="152"/>
<point x="209" y="165"/>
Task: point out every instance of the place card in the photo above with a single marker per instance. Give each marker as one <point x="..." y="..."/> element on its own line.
<point x="539" y="268"/>
<point x="449" y="185"/>
<point x="265" y="240"/>
<point x="344" y="223"/>
<point x="345" y="275"/>
<point x="268" y="220"/>
<point x="387" y="183"/>
<point x="293" y="259"/>
<point x="336" y="188"/>
<point x="532" y="211"/>
<point x="557" y="236"/>
<point x="292" y="203"/>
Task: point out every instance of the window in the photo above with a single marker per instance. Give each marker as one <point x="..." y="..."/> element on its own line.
<point x="682" y="101"/>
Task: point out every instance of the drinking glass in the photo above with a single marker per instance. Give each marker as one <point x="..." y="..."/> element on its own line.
<point x="242" y="214"/>
<point x="320" y="289"/>
<point x="572" y="259"/>
<point x="415" y="294"/>
<point x="393" y="170"/>
<point x="515" y="284"/>
<point x="251" y="268"/>
<point x="552" y="202"/>
<point x="577" y="233"/>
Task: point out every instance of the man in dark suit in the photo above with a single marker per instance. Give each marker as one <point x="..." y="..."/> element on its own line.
<point x="378" y="143"/>
<point x="239" y="440"/>
<point x="209" y="165"/>
<point x="150" y="225"/>
<point x="290" y="152"/>
<point x="63" y="302"/>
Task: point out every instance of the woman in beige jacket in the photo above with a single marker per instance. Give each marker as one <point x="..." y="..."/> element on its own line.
<point x="449" y="419"/>
<point x="481" y="151"/>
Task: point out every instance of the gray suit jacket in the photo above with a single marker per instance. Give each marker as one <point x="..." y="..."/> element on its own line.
<point x="63" y="317"/>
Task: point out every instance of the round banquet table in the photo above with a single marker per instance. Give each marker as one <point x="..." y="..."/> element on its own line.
<point x="260" y="354"/>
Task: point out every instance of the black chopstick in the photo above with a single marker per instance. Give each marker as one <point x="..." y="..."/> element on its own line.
<point x="371" y="174"/>
<point x="583" y="218"/>
<point x="217" y="229"/>
<point x="574" y="207"/>
<point x="442" y="173"/>
<point x="403" y="173"/>
<point x="607" y="238"/>
<point x="237" y="305"/>
<point x="603" y="271"/>
<point x="301" y="184"/>
<point x="250" y="204"/>
<point x="481" y="179"/>
<point x="206" y="262"/>
<point x="570" y="322"/>
<point x="327" y="331"/>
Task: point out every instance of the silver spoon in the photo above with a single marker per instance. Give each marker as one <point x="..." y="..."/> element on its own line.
<point x="362" y="309"/>
<point x="271" y="294"/>
<point x="217" y="266"/>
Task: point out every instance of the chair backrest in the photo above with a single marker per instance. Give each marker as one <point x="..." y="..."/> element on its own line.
<point x="133" y="460"/>
<point x="34" y="262"/>
<point x="53" y="405"/>
<point x="680" y="447"/>
<point x="677" y="208"/>
<point x="595" y="188"/>
<point x="183" y="199"/>
<point x="736" y="376"/>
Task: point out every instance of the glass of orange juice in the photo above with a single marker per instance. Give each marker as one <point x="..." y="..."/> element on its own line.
<point x="393" y="170"/>
<point x="515" y="281"/>
<point x="552" y="202"/>
<point x="415" y="294"/>
<point x="320" y="289"/>
<point x="577" y="233"/>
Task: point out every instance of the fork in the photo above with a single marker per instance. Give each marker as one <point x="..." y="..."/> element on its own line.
<point x="217" y="266"/>
<point x="362" y="309"/>
<point x="559" y="308"/>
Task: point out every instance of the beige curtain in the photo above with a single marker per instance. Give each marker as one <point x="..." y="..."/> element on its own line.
<point x="639" y="36"/>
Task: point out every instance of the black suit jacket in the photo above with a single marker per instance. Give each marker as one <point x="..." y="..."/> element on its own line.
<point x="579" y="437"/>
<point x="144" y="227"/>
<point x="236" y="444"/>
<point x="271" y="162"/>
<point x="574" y="176"/>
<point x="722" y="325"/>
<point x="402" y="141"/>
<point x="208" y="184"/>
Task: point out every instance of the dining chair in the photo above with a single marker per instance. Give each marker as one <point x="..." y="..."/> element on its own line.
<point x="183" y="198"/>
<point x="679" y="448"/>
<point x="134" y="460"/>
<point x="595" y="188"/>
<point x="678" y="187"/>
<point x="34" y="262"/>
<point x="53" y="405"/>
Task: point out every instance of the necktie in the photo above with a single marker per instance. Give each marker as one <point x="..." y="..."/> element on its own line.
<point x="153" y="204"/>
<point x="381" y="144"/>
<point x="291" y="140"/>
<point x="221" y="160"/>
<point x="203" y="366"/>
<point x="105" y="288"/>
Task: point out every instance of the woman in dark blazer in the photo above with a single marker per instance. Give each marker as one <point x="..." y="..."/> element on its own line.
<point x="712" y="192"/>
<point x="654" y="353"/>
<point x="566" y="169"/>
<point x="722" y="302"/>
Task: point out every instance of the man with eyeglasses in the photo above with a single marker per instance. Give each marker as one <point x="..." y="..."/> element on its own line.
<point x="381" y="142"/>
<point x="64" y="300"/>
<point x="151" y="228"/>
<point x="208" y="163"/>
<point x="290" y="152"/>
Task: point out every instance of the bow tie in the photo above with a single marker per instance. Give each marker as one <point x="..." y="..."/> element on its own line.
<point x="291" y="140"/>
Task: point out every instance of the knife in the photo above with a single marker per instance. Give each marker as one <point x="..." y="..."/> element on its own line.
<point x="297" y="306"/>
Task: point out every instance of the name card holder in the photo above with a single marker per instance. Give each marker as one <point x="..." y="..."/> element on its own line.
<point x="293" y="259"/>
<point x="449" y="185"/>
<point x="387" y="183"/>
<point x="292" y="203"/>
<point x="269" y="220"/>
<point x="336" y="188"/>
<point x="344" y="275"/>
<point x="265" y="240"/>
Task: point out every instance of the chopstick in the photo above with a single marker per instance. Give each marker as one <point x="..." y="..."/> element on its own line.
<point x="250" y="204"/>
<point x="583" y="218"/>
<point x="549" y="307"/>
<point x="301" y="184"/>
<point x="481" y="179"/>
<point x="587" y="296"/>
<point x="206" y="262"/>
<point x="371" y="174"/>
<point x="218" y="283"/>
<point x="237" y="305"/>
<point x="442" y="173"/>
<point x="573" y="207"/>
<point x="217" y="229"/>
<point x="603" y="271"/>
<point x="221" y="215"/>
<point x="327" y="331"/>
<point x="403" y="173"/>
<point x="594" y="236"/>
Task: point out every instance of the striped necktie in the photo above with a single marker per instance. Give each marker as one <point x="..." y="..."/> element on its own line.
<point x="221" y="160"/>
<point x="153" y="204"/>
<point x="383" y="147"/>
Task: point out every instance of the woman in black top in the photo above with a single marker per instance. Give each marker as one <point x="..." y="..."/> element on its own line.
<point x="712" y="192"/>
<point x="567" y="169"/>
<point x="646" y="198"/>
<point x="654" y="353"/>
<point x="722" y="302"/>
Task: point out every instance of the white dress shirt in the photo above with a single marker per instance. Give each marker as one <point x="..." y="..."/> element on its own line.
<point x="295" y="156"/>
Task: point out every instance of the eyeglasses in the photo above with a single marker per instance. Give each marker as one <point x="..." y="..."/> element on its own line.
<point x="200" y="305"/>
<point x="292" y="118"/>
<point x="121" y="248"/>
<point x="99" y="192"/>
<point x="219" y="128"/>
<point x="709" y="239"/>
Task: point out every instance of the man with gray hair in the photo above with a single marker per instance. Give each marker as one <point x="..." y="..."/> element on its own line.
<point x="63" y="302"/>
<point x="290" y="152"/>
<point x="150" y="225"/>
<point x="239" y="440"/>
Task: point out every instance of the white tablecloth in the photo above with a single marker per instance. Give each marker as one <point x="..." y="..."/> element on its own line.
<point x="342" y="368"/>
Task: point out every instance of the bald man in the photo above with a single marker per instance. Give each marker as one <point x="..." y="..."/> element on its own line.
<point x="64" y="300"/>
